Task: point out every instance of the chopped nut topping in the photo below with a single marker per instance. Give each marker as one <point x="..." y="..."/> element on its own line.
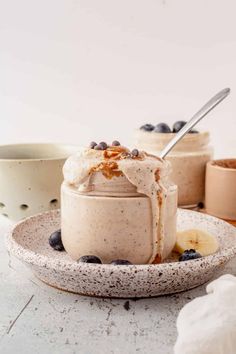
<point x="109" y="169"/>
<point x="114" y="152"/>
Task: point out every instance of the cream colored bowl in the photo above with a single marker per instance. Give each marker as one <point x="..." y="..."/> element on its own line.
<point x="30" y="178"/>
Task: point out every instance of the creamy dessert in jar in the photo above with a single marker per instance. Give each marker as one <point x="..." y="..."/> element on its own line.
<point x="188" y="158"/>
<point x="118" y="204"/>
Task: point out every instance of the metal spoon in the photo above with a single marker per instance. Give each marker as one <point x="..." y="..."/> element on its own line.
<point x="212" y="103"/>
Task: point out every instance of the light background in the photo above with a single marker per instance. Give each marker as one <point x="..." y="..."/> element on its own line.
<point x="75" y="71"/>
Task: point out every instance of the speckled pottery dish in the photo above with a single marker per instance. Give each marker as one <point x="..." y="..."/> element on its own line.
<point x="31" y="177"/>
<point x="124" y="281"/>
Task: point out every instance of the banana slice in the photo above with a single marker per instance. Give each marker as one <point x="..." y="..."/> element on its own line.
<point x="199" y="240"/>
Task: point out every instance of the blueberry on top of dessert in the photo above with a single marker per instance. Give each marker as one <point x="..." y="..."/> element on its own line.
<point x="164" y="128"/>
<point x="147" y="127"/>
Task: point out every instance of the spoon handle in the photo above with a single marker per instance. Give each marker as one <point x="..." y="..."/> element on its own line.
<point x="212" y="103"/>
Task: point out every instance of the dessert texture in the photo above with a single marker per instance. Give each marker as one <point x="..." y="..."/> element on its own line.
<point x="118" y="204"/>
<point x="59" y="270"/>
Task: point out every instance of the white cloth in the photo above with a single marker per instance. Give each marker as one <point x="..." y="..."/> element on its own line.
<point x="207" y="325"/>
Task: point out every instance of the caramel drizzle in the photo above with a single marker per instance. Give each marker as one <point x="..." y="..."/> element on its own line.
<point x="157" y="175"/>
<point x="157" y="260"/>
<point x="109" y="169"/>
<point x="120" y="153"/>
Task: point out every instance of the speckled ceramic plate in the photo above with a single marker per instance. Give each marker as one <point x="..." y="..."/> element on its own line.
<point x="28" y="241"/>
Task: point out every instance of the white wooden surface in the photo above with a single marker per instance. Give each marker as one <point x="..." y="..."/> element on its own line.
<point x="35" y="318"/>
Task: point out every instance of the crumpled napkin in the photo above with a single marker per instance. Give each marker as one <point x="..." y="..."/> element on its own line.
<point x="207" y="325"/>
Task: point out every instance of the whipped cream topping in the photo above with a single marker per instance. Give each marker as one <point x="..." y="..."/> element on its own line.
<point x="208" y="323"/>
<point x="116" y="170"/>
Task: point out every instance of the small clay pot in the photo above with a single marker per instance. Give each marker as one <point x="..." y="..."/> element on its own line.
<point x="221" y="188"/>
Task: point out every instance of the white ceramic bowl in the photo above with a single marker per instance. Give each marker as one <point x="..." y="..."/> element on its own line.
<point x="30" y="178"/>
<point x="59" y="270"/>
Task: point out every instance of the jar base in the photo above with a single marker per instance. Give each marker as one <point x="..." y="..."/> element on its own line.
<point x="196" y="207"/>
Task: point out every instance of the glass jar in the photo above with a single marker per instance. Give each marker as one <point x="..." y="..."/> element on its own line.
<point x="188" y="159"/>
<point x="108" y="218"/>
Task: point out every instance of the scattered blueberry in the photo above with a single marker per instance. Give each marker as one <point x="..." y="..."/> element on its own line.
<point x="189" y="255"/>
<point x="162" y="128"/>
<point x="201" y="205"/>
<point x="55" y="241"/>
<point x="178" y="126"/>
<point x="101" y="146"/>
<point x="89" y="259"/>
<point x="115" y="143"/>
<point x="147" y="127"/>
<point x="193" y="131"/>
<point x="92" y="145"/>
<point x="135" y="152"/>
<point x="121" y="262"/>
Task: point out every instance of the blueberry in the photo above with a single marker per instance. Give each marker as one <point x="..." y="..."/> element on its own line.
<point x="121" y="262"/>
<point x="162" y="128"/>
<point x="135" y="152"/>
<point x="92" y="145"/>
<point x="193" y="131"/>
<point x="101" y="146"/>
<point x="178" y="126"/>
<point x="147" y="127"/>
<point x="115" y="143"/>
<point x="200" y="205"/>
<point x="89" y="259"/>
<point x="189" y="255"/>
<point x="55" y="241"/>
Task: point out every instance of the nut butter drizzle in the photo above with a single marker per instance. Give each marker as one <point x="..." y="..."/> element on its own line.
<point x="118" y="161"/>
<point x="145" y="180"/>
